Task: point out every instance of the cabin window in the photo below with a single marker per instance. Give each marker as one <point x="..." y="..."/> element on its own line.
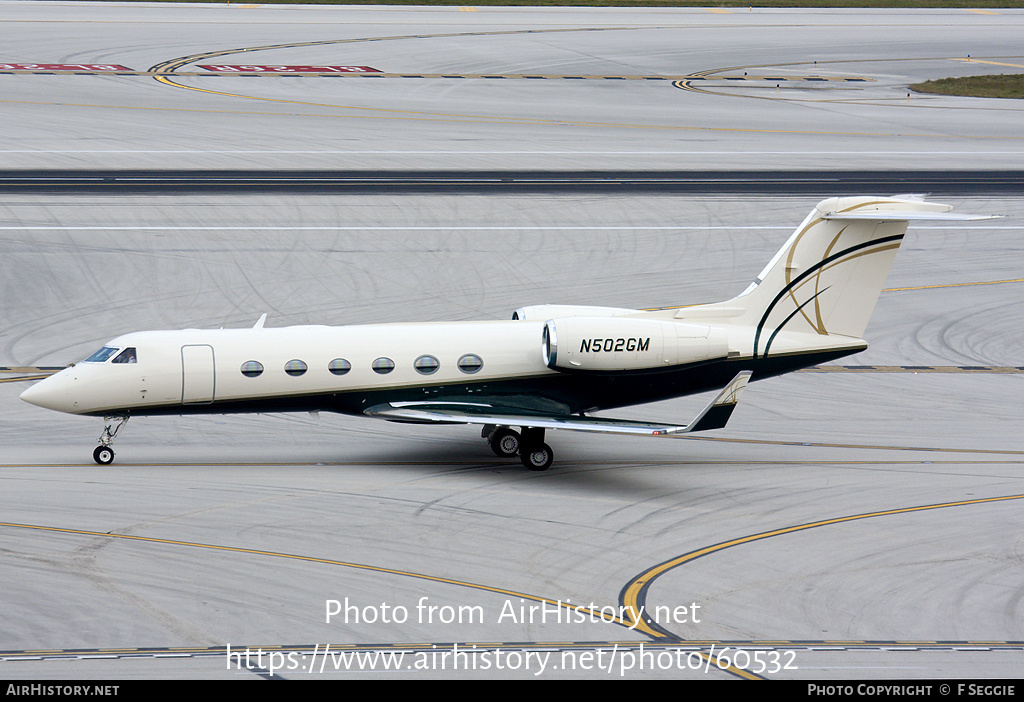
<point x="251" y="369"/>
<point x="339" y="366"/>
<point x="295" y="367"/>
<point x="101" y="355"/>
<point x="126" y="356"/>
<point x="426" y="365"/>
<point x="383" y="365"/>
<point x="470" y="363"/>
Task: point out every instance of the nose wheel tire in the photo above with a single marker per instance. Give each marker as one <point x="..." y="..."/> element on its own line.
<point x="538" y="458"/>
<point x="104" y="455"/>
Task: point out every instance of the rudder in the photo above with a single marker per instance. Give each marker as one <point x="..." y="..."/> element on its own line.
<point x="827" y="278"/>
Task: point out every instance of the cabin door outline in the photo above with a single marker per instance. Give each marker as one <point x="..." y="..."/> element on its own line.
<point x="198" y="380"/>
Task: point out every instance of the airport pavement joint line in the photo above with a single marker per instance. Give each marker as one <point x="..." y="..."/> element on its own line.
<point x="913" y="369"/>
<point x="413" y="74"/>
<point x="582" y="463"/>
<point x="704" y="650"/>
<point x="623" y="645"/>
<point x="774" y="182"/>
<point x="870" y="447"/>
<point x="633" y="597"/>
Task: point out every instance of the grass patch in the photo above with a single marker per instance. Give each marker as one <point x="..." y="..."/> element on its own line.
<point x="1001" y="86"/>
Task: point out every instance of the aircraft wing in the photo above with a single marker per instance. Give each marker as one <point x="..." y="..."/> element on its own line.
<point x="714" y="416"/>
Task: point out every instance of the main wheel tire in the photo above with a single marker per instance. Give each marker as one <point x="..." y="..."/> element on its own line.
<point x="505" y="442"/>
<point x="538" y="458"/>
<point x="104" y="455"/>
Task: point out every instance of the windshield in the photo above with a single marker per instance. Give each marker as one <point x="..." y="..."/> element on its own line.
<point x="126" y="356"/>
<point x="101" y="355"/>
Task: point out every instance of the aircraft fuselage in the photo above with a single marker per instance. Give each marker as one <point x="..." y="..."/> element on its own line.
<point x="551" y="366"/>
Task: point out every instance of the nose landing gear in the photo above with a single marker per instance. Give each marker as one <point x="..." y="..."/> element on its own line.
<point x="104" y="454"/>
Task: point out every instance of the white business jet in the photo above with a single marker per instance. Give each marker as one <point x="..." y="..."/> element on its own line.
<point x="550" y="367"/>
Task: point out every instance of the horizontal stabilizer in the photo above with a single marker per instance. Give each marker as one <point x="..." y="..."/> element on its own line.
<point x="714" y="416"/>
<point x="906" y="216"/>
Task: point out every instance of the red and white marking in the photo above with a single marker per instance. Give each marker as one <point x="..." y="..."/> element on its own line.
<point x="291" y="69"/>
<point x="62" y="67"/>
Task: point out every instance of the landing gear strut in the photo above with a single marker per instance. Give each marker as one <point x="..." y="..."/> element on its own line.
<point x="104" y="454"/>
<point x="529" y="445"/>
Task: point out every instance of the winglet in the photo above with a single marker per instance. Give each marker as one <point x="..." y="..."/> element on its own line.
<point x="260" y="321"/>
<point x="716" y="414"/>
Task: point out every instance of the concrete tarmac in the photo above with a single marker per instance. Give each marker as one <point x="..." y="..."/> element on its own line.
<point x="847" y="524"/>
<point x="500" y="88"/>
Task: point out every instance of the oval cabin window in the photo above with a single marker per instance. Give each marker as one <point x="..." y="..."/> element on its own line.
<point x="383" y="366"/>
<point x="470" y="363"/>
<point x="339" y="366"/>
<point x="295" y="367"/>
<point x="251" y="369"/>
<point x="426" y="365"/>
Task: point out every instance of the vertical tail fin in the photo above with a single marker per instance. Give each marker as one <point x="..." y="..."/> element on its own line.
<point x="827" y="278"/>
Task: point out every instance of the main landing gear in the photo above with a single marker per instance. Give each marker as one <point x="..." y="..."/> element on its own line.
<point x="104" y="454"/>
<point x="528" y="445"/>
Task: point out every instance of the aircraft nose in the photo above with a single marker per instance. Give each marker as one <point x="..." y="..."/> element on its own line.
<point x="50" y="393"/>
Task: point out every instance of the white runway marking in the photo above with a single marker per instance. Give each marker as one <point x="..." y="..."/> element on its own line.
<point x="441" y="228"/>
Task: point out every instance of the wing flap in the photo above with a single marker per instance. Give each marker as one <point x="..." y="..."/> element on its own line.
<point x="714" y="416"/>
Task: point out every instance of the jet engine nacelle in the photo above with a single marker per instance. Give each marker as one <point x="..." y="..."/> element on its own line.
<point x="537" y="312"/>
<point x="624" y="343"/>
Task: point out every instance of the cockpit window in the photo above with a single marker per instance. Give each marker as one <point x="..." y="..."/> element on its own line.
<point x="126" y="356"/>
<point x="101" y="355"/>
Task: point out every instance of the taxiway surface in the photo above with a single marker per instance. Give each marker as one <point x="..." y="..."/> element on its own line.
<point x="850" y="523"/>
<point x="499" y="88"/>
